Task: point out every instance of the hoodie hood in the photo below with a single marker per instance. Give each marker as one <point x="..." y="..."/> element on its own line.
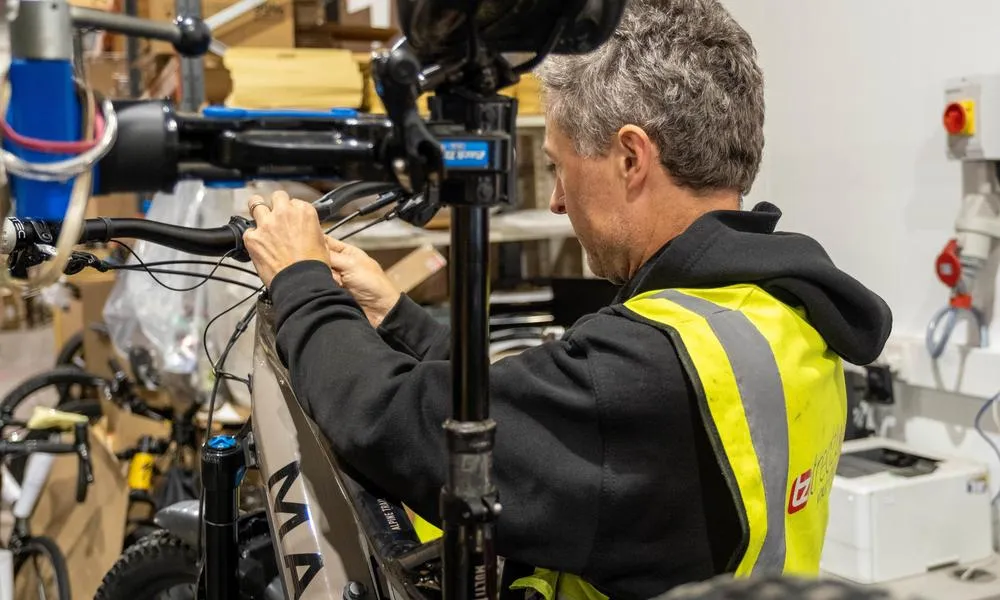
<point x="729" y="247"/>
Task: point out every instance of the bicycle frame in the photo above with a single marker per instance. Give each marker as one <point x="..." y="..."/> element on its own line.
<point x="23" y="499"/>
<point x="313" y="505"/>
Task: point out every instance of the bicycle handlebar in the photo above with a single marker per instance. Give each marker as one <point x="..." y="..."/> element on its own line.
<point x="20" y="234"/>
<point x="80" y="446"/>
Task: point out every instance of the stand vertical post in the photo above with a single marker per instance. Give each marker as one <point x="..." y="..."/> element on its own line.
<point x="470" y="327"/>
<point x="478" y="151"/>
<point x="469" y="495"/>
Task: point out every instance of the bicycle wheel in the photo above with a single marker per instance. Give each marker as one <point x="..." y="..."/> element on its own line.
<point x="40" y="565"/>
<point x="764" y="588"/>
<point x="71" y="353"/>
<point x="65" y="376"/>
<point x="160" y="566"/>
<point x="77" y="385"/>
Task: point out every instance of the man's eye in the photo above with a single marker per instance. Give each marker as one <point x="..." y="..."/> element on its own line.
<point x="550" y="167"/>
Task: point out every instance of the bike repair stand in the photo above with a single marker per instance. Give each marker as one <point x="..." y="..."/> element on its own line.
<point x="470" y="135"/>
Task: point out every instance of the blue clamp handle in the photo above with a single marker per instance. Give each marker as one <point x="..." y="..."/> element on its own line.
<point x="226" y="112"/>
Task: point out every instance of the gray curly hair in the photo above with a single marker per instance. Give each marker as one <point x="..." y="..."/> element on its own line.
<point x="682" y="70"/>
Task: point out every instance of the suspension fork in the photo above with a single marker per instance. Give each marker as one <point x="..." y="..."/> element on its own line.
<point x="223" y="465"/>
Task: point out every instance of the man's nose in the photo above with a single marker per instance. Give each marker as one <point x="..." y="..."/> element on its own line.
<point x="556" y="203"/>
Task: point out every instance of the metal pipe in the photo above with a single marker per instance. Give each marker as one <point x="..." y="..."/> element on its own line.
<point x="189" y="35"/>
<point x="41" y="31"/>
<point x="132" y="54"/>
<point x="469" y="496"/>
<point x="125" y="24"/>
<point x="470" y="333"/>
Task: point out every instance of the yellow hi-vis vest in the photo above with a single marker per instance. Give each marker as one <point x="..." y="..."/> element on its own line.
<point x="773" y="397"/>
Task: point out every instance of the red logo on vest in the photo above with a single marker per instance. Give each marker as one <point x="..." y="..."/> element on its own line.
<point x="799" y="495"/>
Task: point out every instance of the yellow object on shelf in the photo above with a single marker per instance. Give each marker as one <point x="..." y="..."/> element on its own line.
<point x="302" y="78"/>
<point x="529" y="95"/>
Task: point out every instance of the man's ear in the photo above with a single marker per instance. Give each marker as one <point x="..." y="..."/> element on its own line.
<point x="638" y="154"/>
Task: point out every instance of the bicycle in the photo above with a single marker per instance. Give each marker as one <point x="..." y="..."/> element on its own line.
<point x="23" y="548"/>
<point x="74" y="386"/>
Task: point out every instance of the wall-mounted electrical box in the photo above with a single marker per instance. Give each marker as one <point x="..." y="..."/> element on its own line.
<point x="971" y="118"/>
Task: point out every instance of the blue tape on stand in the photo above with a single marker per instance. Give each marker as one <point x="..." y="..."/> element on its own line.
<point x="466" y="155"/>
<point x="238" y="184"/>
<point x="225" y="185"/>
<point x="44" y="105"/>
<point x="226" y="112"/>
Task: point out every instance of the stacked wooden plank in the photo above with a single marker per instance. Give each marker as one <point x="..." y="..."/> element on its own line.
<point x="301" y="78"/>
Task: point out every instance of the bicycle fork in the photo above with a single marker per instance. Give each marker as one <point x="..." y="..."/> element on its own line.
<point x="222" y="467"/>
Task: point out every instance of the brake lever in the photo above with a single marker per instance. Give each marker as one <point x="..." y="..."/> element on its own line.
<point x="20" y="261"/>
<point x="85" y="474"/>
<point x="420" y="209"/>
<point x="79" y="261"/>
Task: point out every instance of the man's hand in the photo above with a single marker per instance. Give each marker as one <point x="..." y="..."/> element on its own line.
<point x="287" y="232"/>
<point x="361" y="275"/>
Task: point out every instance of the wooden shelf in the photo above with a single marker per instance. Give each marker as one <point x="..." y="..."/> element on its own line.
<point x="531" y="122"/>
<point x="518" y="226"/>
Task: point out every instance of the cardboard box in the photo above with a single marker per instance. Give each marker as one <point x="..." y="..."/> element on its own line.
<point x="108" y="73"/>
<point x="270" y="25"/>
<point x="90" y="533"/>
<point x="427" y="280"/>
<point x="369" y="13"/>
<point x="309" y="13"/>
<point x="355" y="25"/>
<point x="416" y="267"/>
<point x="355" y="38"/>
<point x="93" y="289"/>
<point x="114" y="206"/>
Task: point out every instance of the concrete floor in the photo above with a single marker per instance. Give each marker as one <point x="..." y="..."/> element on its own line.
<point x="24" y="353"/>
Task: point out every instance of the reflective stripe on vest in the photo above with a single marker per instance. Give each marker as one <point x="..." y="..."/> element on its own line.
<point x="424" y="530"/>
<point x="774" y="399"/>
<point x="762" y="444"/>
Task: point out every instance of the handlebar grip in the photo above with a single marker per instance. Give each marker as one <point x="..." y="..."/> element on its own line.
<point x="85" y="474"/>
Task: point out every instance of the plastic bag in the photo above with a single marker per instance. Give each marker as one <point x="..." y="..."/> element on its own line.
<point x="169" y="324"/>
<point x="140" y="312"/>
<point x="223" y="296"/>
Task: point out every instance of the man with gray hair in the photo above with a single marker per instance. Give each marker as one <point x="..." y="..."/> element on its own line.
<point x="689" y="429"/>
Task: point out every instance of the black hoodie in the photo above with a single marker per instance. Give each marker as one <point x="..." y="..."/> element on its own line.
<point x="602" y="462"/>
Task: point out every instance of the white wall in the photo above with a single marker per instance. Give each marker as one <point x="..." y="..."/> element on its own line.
<point x="855" y="157"/>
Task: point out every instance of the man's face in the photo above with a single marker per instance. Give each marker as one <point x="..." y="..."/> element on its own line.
<point x="592" y="192"/>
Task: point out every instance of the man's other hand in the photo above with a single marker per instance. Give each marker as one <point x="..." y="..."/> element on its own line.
<point x="287" y="232"/>
<point x="364" y="278"/>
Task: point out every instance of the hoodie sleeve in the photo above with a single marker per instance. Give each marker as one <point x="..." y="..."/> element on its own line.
<point x="411" y="329"/>
<point x="382" y="411"/>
